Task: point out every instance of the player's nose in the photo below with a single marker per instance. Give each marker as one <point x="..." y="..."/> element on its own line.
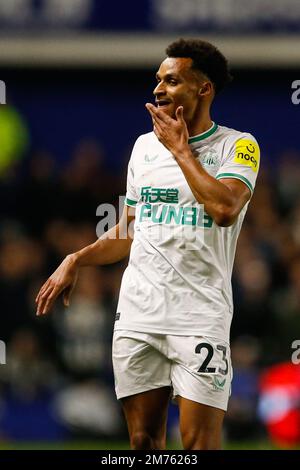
<point x="159" y="90"/>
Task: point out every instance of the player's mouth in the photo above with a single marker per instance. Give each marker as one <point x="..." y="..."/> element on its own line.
<point x="162" y="103"/>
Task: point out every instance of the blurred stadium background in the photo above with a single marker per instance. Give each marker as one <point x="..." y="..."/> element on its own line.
<point x="77" y="74"/>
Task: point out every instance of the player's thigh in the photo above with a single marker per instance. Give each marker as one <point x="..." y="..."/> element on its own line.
<point x="201" y="369"/>
<point x="138" y="365"/>
<point x="200" y="425"/>
<point x="146" y="416"/>
<point x="201" y="379"/>
<point x="142" y="380"/>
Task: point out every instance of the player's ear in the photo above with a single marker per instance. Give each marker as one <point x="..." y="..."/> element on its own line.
<point x="205" y="89"/>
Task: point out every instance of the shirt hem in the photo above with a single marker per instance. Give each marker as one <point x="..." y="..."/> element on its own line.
<point x="166" y="331"/>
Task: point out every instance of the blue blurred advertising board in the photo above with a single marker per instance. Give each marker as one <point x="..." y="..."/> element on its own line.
<point x="151" y="16"/>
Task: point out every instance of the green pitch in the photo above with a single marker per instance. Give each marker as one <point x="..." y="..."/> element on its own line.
<point x="101" y="445"/>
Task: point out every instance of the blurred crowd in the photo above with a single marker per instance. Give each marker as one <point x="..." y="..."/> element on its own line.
<point x="58" y="383"/>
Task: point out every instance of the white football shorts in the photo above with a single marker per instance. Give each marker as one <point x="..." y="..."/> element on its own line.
<point x="196" y="368"/>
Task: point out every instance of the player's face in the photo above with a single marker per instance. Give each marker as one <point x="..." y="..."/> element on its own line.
<point x="177" y="85"/>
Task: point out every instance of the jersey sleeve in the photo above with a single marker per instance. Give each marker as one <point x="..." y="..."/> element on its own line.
<point x="242" y="162"/>
<point x="131" y="192"/>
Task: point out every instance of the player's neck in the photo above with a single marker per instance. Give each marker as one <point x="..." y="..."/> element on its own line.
<point x="200" y="124"/>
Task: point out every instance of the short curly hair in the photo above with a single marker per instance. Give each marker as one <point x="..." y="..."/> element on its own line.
<point x="206" y="58"/>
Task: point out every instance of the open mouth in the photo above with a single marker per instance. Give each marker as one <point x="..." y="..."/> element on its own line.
<point x="161" y="103"/>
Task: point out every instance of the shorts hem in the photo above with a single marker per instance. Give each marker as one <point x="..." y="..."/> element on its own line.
<point x="141" y="390"/>
<point x="201" y="401"/>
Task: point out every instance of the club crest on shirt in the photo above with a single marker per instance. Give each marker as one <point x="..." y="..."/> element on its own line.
<point x="209" y="159"/>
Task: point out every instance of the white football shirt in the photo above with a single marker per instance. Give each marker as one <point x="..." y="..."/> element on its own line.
<point x="178" y="280"/>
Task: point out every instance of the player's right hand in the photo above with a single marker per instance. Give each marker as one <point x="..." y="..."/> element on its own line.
<point x="62" y="280"/>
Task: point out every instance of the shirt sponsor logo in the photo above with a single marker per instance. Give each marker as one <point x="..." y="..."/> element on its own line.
<point x="170" y="214"/>
<point x="149" y="194"/>
<point x="247" y="153"/>
<point x="167" y="213"/>
<point x="177" y="215"/>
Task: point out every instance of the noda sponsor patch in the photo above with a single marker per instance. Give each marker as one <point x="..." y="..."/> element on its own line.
<point x="247" y="153"/>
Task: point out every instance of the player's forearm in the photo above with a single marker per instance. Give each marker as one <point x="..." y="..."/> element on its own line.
<point x="218" y="200"/>
<point x="108" y="249"/>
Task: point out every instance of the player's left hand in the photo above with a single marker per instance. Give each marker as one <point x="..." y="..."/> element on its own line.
<point x="172" y="133"/>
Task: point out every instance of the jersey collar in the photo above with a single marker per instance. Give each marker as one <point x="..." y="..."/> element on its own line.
<point x="204" y="135"/>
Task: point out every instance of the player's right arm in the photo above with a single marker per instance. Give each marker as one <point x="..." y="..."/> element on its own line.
<point x="113" y="246"/>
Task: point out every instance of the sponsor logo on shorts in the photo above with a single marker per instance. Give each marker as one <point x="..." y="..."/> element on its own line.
<point x="218" y="384"/>
<point x="247" y="153"/>
<point x="117" y="316"/>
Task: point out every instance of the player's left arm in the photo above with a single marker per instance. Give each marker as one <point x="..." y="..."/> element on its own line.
<point x="224" y="198"/>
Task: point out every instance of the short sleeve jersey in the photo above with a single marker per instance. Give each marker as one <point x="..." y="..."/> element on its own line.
<point x="178" y="280"/>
